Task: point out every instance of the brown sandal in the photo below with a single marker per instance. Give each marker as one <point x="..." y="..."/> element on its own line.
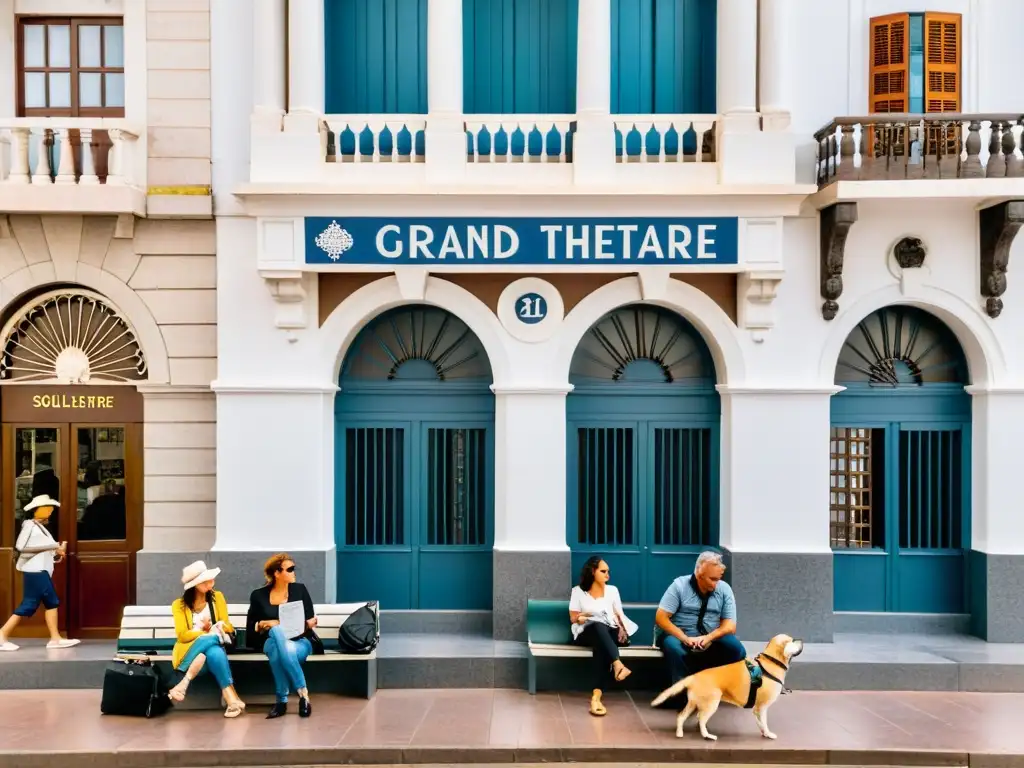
<point x="622" y="673"/>
<point x="597" y="709"/>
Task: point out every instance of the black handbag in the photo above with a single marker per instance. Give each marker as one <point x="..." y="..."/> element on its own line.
<point x="361" y="631"/>
<point x="134" y="688"/>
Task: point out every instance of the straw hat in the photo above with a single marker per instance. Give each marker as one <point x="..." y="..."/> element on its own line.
<point x="41" y="501"/>
<point x="197" y="573"/>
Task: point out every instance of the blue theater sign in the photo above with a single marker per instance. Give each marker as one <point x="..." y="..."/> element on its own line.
<point x="346" y="241"/>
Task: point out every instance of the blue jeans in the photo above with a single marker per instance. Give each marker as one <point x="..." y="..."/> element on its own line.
<point x="682" y="662"/>
<point x="286" y="658"/>
<point x="216" y="660"/>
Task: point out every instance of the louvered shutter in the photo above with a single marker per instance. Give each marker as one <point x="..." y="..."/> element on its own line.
<point x="890" y="63"/>
<point x="942" y="79"/>
<point x="942" y="62"/>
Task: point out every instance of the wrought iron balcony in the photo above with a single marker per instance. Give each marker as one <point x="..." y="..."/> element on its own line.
<point x="930" y="147"/>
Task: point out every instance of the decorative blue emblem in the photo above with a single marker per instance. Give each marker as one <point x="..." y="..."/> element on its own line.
<point x="531" y="308"/>
<point x="334" y="241"/>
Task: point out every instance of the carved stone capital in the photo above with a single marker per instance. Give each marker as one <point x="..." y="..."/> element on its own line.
<point x="290" y="291"/>
<point x="835" y="224"/>
<point x="997" y="228"/>
<point x="756" y="292"/>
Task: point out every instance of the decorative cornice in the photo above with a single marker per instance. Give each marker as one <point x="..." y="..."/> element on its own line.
<point x="274" y="388"/>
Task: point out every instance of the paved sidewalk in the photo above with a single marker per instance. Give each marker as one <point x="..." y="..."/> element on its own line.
<point x="64" y="728"/>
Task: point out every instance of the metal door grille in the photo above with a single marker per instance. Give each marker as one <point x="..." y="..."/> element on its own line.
<point x="851" y="522"/>
<point x="682" y="486"/>
<point x="931" y="489"/>
<point x="605" y="492"/>
<point x="374" y="486"/>
<point x="456" y="486"/>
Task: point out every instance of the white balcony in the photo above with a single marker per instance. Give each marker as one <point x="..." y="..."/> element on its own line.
<point x="668" y="154"/>
<point x="71" y="165"/>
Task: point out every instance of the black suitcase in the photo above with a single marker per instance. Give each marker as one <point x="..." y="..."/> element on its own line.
<point x="134" y="688"/>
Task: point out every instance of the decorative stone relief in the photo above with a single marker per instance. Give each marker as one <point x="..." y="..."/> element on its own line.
<point x="835" y="224"/>
<point x="910" y="253"/>
<point x="998" y="226"/>
<point x="531" y="309"/>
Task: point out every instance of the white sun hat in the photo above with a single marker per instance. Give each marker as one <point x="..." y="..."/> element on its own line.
<point x="41" y="501"/>
<point x="197" y="573"/>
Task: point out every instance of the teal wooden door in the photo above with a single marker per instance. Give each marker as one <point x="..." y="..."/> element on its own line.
<point x="642" y="453"/>
<point x="900" y="467"/>
<point x="414" y="478"/>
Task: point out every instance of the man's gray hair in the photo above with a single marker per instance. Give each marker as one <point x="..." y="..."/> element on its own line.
<point x="708" y="557"/>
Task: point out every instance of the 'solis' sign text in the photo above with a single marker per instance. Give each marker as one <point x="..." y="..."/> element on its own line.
<point x="72" y="401"/>
<point x="511" y="241"/>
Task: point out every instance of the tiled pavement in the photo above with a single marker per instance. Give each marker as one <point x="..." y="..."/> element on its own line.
<point x="64" y="728"/>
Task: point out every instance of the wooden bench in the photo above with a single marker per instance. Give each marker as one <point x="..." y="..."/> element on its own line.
<point x="148" y="630"/>
<point x="549" y="635"/>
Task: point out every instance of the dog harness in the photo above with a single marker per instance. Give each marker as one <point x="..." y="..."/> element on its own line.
<point x="757" y="675"/>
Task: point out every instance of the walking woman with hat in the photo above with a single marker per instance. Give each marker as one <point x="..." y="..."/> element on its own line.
<point x="203" y="628"/>
<point x="37" y="553"/>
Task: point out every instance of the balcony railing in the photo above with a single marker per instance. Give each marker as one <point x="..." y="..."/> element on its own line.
<point x="516" y="148"/>
<point x="68" y="151"/>
<point x="907" y="146"/>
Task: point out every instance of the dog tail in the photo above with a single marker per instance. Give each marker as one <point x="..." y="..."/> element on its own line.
<point x="675" y="690"/>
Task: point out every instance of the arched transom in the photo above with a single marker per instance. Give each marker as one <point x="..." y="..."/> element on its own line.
<point x="71" y="337"/>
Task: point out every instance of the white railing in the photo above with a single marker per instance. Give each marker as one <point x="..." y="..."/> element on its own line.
<point x="665" y="138"/>
<point x="375" y="138"/>
<point x="69" y="151"/>
<point x="519" y="138"/>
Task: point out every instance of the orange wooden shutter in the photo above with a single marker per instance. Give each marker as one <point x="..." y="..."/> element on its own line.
<point x="889" y="81"/>
<point x="942" y="62"/>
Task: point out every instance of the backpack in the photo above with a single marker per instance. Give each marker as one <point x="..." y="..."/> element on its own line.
<point x="361" y="631"/>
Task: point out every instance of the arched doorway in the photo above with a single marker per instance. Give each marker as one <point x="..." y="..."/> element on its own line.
<point x="643" y="448"/>
<point x="72" y="429"/>
<point x="900" y="506"/>
<point x="414" y="452"/>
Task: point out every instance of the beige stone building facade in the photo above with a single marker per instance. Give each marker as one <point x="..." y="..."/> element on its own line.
<point x="107" y="294"/>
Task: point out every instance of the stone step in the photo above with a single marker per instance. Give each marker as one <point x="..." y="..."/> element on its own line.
<point x="855" y="662"/>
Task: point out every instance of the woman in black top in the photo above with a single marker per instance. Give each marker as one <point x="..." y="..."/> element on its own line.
<point x="263" y="632"/>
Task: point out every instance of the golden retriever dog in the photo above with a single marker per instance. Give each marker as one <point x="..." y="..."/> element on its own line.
<point x="731" y="684"/>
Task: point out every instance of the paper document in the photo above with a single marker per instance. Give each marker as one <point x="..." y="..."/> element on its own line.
<point x="293" y="618"/>
<point x="631" y="626"/>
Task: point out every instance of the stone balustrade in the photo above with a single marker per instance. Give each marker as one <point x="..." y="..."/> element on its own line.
<point x="664" y="138"/>
<point x="70" y="151"/>
<point x="908" y="146"/>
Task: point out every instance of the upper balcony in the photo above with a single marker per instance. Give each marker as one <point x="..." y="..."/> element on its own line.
<point x="476" y="97"/>
<point x="937" y="155"/>
<point x="71" y="165"/>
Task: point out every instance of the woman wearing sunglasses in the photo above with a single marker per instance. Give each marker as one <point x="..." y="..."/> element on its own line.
<point x="286" y="647"/>
<point x="595" y="612"/>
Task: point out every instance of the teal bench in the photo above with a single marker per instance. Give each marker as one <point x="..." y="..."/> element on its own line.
<point x="148" y="631"/>
<point x="549" y="635"/>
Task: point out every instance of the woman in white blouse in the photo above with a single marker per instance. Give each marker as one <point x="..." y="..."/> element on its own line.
<point x="595" y="610"/>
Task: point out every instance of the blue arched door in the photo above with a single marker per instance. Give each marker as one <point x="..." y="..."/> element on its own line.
<point x="414" y="453"/>
<point x="900" y="503"/>
<point x="643" y="448"/>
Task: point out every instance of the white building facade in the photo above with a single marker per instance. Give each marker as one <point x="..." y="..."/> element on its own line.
<point x="107" y="295"/>
<point x="512" y="289"/>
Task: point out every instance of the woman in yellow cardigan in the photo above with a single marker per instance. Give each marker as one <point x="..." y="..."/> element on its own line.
<point x="203" y="628"/>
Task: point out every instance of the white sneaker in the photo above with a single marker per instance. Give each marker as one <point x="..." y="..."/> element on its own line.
<point x="62" y="643"/>
<point x="8" y="646"/>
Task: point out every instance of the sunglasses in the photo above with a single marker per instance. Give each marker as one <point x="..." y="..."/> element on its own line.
<point x="289" y="569"/>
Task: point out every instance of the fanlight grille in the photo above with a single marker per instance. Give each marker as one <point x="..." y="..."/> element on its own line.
<point x="901" y="346"/>
<point x="642" y="344"/>
<point x="71" y="338"/>
<point x="417" y="343"/>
